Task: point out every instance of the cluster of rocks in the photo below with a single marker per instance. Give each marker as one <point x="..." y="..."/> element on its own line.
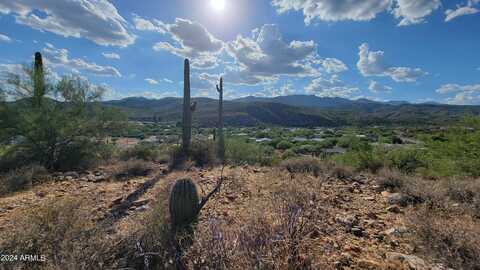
<point x="87" y="176"/>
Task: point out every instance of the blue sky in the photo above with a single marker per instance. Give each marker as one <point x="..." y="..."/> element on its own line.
<point x="414" y="50"/>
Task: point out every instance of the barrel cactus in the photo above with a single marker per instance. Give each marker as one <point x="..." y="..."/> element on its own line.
<point x="184" y="203"/>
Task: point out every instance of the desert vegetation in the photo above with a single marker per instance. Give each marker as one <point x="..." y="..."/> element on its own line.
<point x="83" y="187"/>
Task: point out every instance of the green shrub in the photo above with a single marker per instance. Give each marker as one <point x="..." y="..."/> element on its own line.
<point x="288" y="154"/>
<point x="284" y="145"/>
<point x="405" y="159"/>
<point x="241" y="152"/>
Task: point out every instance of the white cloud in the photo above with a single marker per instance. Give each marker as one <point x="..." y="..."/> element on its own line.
<point x="330" y="87"/>
<point x="334" y="10"/>
<point x="372" y="63"/>
<point x="96" y="20"/>
<point x="333" y="65"/>
<point x="468" y="9"/>
<point x="191" y="40"/>
<point x="265" y="56"/>
<point x="146" y="25"/>
<point x="375" y="87"/>
<point x="111" y="55"/>
<point x="463" y="94"/>
<point x="59" y="57"/>
<point x="167" y="80"/>
<point x="151" y="81"/>
<point x="414" y="11"/>
<point x="5" y="38"/>
<point x="408" y="11"/>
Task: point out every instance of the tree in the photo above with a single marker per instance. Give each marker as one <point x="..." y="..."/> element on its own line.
<point x="59" y="125"/>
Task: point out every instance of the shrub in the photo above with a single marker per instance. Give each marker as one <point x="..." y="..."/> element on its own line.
<point x="284" y="145"/>
<point x="21" y="178"/>
<point x="202" y="153"/>
<point x="60" y="231"/>
<point x="405" y="159"/>
<point x="302" y="165"/>
<point x="143" y="151"/>
<point x="241" y="152"/>
<point x="288" y="154"/>
<point x="132" y="168"/>
<point x="452" y="239"/>
<point x="390" y="180"/>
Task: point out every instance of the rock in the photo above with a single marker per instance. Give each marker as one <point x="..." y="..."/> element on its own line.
<point x="357" y="231"/>
<point x="396" y="231"/>
<point x="368" y="264"/>
<point x="410" y="262"/>
<point x="40" y="194"/>
<point x="71" y="174"/>
<point x="140" y="202"/>
<point x="99" y="178"/>
<point x="345" y="260"/>
<point x="347" y="220"/>
<point x="397" y="198"/>
<point x="117" y="200"/>
<point x="394" y="209"/>
<point x="370" y="198"/>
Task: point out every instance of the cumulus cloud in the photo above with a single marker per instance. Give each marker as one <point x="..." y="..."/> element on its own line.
<point x="372" y="63"/>
<point x="376" y="87"/>
<point x="265" y="56"/>
<point x="468" y="9"/>
<point x="333" y="65"/>
<point x="96" y="20"/>
<point x="60" y="57"/>
<point x="407" y="11"/>
<point x="5" y="38"/>
<point x="330" y="87"/>
<point x="463" y="94"/>
<point x="191" y="40"/>
<point x="111" y="55"/>
<point x="334" y="10"/>
<point x="414" y="11"/>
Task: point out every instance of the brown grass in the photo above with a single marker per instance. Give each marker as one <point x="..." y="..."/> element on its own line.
<point x="308" y="165"/>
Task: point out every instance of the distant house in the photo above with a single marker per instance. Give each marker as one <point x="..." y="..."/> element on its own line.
<point x="151" y="139"/>
<point x="316" y="139"/>
<point x="261" y="140"/>
<point x="299" y="139"/>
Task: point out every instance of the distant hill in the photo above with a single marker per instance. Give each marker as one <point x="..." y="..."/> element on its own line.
<point x="295" y="110"/>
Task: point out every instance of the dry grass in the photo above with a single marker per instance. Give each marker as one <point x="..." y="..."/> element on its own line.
<point x="308" y="165"/>
<point x="132" y="168"/>
<point x="60" y="231"/>
<point x="21" y="178"/>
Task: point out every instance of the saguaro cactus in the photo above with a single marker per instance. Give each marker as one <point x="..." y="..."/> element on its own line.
<point x="221" y="139"/>
<point x="38" y="79"/>
<point x="183" y="204"/>
<point x="188" y="108"/>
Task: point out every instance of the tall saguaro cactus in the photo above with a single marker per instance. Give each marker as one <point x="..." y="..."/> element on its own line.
<point x="188" y="107"/>
<point x="38" y="79"/>
<point x="221" y="138"/>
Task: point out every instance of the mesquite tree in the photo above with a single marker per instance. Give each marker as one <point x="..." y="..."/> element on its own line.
<point x="221" y="139"/>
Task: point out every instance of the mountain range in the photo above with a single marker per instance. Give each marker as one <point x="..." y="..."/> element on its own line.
<point x="295" y="110"/>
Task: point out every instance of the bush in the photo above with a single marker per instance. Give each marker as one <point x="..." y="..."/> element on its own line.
<point x="132" y="168"/>
<point x="241" y="152"/>
<point x="284" y="145"/>
<point x="406" y="160"/>
<point x="202" y="153"/>
<point x="143" y="151"/>
<point x="390" y="180"/>
<point x="302" y="165"/>
<point x="60" y="231"/>
<point x="21" y="178"/>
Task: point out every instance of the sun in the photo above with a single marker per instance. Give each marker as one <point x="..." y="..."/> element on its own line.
<point x="218" y="5"/>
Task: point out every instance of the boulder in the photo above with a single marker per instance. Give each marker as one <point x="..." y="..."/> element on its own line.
<point x="404" y="261"/>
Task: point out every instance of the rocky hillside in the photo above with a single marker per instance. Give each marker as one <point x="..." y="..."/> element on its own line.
<point x="262" y="217"/>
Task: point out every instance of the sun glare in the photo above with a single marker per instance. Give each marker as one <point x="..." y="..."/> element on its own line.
<point x="218" y="5"/>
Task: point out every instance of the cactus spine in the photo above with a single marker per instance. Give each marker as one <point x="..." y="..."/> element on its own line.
<point x="221" y="139"/>
<point x="183" y="204"/>
<point x="38" y="80"/>
<point x="187" y="110"/>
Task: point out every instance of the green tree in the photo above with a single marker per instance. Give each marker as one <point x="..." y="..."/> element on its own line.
<point x="56" y="124"/>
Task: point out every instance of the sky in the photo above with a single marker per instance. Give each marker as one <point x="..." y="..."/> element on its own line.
<point x="409" y="50"/>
